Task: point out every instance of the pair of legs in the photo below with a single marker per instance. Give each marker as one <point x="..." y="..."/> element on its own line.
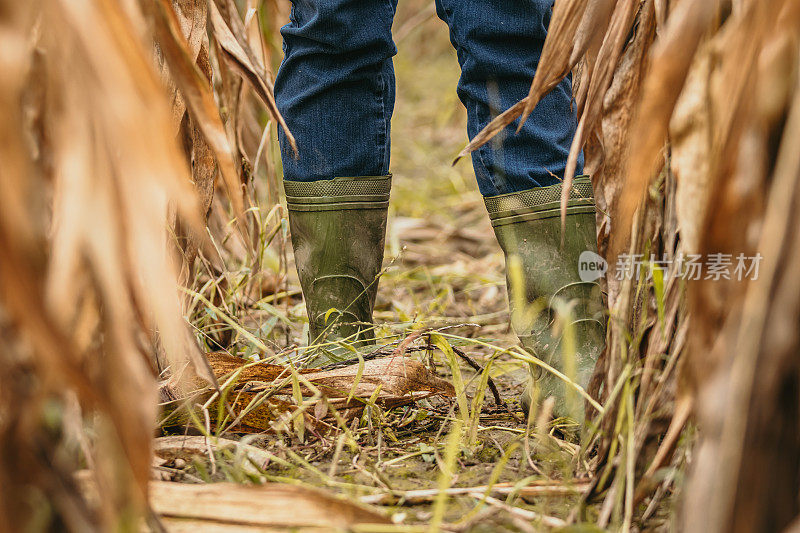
<point x="336" y="90"/>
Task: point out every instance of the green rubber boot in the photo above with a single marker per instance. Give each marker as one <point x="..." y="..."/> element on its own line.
<point x="544" y="282"/>
<point x="338" y="230"/>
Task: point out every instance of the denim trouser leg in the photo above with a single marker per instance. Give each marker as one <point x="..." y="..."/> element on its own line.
<point x="335" y="89"/>
<point x="499" y="43"/>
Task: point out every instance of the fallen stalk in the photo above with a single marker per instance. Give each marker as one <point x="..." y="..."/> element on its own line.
<point x="426" y="495"/>
<point x="525" y="514"/>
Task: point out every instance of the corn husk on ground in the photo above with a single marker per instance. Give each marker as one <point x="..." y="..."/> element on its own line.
<point x="130" y="125"/>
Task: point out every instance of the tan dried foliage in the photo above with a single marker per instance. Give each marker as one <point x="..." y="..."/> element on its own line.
<point x="262" y="393"/>
<point x="687" y="117"/>
<point x="265" y="507"/>
<point x="100" y="153"/>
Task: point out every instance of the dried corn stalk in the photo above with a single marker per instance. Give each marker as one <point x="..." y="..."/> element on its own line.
<point x="93" y="172"/>
<point x="102" y="269"/>
<point x="687" y="117"/>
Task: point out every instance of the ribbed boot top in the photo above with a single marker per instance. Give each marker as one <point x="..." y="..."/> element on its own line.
<point x="540" y="202"/>
<point x="366" y="192"/>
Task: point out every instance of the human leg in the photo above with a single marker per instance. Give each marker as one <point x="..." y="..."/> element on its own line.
<point x="499" y="44"/>
<point x="335" y="89"/>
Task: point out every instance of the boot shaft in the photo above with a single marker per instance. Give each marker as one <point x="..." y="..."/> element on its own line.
<point x="338" y="230"/>
<point x="528" y="228"/>
<point x="543" y="278"/>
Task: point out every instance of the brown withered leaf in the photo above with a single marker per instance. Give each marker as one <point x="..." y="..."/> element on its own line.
<point x="397" y="380"/>
<point x="744" y="343"/>
<point x="248" y="67"/>
<point x="690" y="135"/>
<point x="607" y="141"/>
<point x="204" y="172"/>
<point x="592" y="32"/>
<point x="662" y="87"/>
<point x="559" y="55"/>
<point x="189" y="507"/>
<point x="602" y="72"/>
<point x="236" y="507"/>
<point x="197" y="93"/>
<point x="192" y="16"/>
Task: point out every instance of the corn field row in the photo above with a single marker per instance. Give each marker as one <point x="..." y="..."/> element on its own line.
<point x="142" y="238"/>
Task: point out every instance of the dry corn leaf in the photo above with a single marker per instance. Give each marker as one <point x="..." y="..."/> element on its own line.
<point x="690" y="133"/>
<point x="90" y="173"/>
<point x="248" y="67"/>
<point x="198" y="96"/>
<point x="397" y="380"/>
<point x="671" y="59"/>
<point x="192" y="16"/>
<point x="185" y="507"/>
<point x="560" y="54"/>
<point x="235" y="507"/>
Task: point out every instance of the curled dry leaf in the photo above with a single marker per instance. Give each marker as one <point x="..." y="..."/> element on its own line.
<point x="397" y="380"/>
<point x="191" y="16"/>
<point x="662" y="87"/>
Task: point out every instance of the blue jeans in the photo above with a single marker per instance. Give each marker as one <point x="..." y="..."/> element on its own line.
<point x="336" y="89"/>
